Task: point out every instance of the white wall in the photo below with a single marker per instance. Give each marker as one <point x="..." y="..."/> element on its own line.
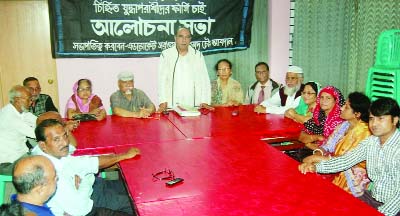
<point x="278" y="40"/>
<point x="103" y="72"/>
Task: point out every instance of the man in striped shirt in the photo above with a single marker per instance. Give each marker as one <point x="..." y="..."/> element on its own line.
<point x="381" y="151"/>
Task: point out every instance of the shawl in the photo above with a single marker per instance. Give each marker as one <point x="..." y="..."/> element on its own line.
<point x="94" y="101"/>
<point x="320" y="123"/>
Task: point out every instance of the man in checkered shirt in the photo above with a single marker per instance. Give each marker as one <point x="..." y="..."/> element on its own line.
<point x="381" y="151"/>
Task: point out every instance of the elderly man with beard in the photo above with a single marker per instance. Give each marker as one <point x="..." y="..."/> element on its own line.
<point x="129" y="101"/>
<point x="287" y="97"/>
<point x="16" y="124"/>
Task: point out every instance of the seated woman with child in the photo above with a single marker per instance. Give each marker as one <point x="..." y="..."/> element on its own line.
<point x="84" y="101"/>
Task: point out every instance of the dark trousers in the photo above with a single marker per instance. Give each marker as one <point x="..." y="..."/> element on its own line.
<point x="367" y="198"/>
<point x="111" y="195"/>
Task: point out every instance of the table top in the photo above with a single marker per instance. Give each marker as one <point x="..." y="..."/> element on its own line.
<point x="230" y="176"/>
<point x="114" y="131"/>
<point x="227" y="169"/>
<point x="221" y="122"/>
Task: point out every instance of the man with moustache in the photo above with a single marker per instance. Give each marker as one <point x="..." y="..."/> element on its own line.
<point x="129" y="101"/>
<point x="182" y="75"/>
<point x="263" y="88"/>
<point x="41" y="103"/>
<point x="381" y="151"/>
<point x="79" y="192"/>
<point x="16" y="124"/>
<point x="287" y="97"/>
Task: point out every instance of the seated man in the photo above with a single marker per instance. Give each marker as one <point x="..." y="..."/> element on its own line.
<point x="287" y="97"/>
<point x="129" y="101"/>
<point x="34" y="179"/>
<point x="263" y="88"/>
<point x="41" y="102"/>
<point x="380" y="151"/>
<point x="16" y="124"/>
<point x="69" y="125"/>
<point x="78" y="191"/>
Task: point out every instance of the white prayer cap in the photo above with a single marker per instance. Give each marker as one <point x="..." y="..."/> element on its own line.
<point x="295" y="69"/>
<point x="125" y="76"/>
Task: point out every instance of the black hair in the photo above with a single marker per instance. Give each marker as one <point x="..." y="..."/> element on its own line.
<point x="385" y="106"/>
<point x="313" y="85"/>
<point x="359" y="102"/>
<point x="40" y="128"/>
<point x="84" y="80"/>
<point x="28" y="79"/>
<point x="12" y="209"/>
<point x="262" y="63"/>
<point x="223" y="60"/>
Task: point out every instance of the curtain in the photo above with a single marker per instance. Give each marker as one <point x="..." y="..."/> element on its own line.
<point x="335" y="41"/>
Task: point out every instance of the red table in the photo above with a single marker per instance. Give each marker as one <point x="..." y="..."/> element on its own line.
<point x="230" y="176"/>
<point x="116" y="130"/>
<point x="227" y="169"/>
<point x="247" y="123"/>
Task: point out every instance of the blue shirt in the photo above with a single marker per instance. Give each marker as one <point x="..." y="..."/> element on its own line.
<point x="38" y="210"/>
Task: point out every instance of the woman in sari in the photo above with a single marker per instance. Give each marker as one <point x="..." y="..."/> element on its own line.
<point x="326" y="117"/>
<point x="83" y="101"/>
<point x="225" y="91"/>
<point x="347" y="136"/>
<point x="304" y="110"/>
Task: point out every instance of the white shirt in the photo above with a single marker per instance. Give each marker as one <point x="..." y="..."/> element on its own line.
<point x="14" y="128"/>
<point x="183" y="79"/>
<point x="273" y="104"/>
<point x="67" y="198"/>
<point x="267" y="91"/>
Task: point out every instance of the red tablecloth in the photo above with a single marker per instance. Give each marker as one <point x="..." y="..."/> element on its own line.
<point x="231" y="176"/>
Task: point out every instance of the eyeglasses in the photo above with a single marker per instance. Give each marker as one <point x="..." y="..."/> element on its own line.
<point x="184" y="37"/>
<point x="261" y="72"/>
<point x="165" y="174"/>
<point x="308" y="93"/>
<point x="38" y="89"/>
<point x="223" y="69"/>
<point x="26" y="98"/>
<point x="84" y="89"/>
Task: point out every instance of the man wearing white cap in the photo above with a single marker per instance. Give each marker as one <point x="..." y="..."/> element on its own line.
<point x="129" y="101"/>
<point x="287" y="97"/>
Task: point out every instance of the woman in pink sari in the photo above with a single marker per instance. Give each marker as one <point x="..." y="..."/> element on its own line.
<point x="83" y="101"/>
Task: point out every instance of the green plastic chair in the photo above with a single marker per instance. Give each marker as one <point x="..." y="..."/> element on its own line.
<point x="388" y="49"/>
<point x="383" y="82"/>
<point x="3" y="180"/>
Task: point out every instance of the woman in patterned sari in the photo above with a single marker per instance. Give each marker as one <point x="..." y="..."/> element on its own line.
<point x="225" y="91"/>
<point x="83" y="101"/>
<point x="326" y="117"/>
<point x="346" y="136"/>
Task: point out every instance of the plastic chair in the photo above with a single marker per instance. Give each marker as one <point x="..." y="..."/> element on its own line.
<point x="388" y="49"/>
<point x="383" y="82"/>
<point x="3" y="180"/>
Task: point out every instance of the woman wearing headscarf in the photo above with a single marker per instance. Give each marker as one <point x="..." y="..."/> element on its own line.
<point x="83" y="101"/>
<point x="346" y="137"/>
<point x="304" y="110"/>
<point x="225" y="91"/>
<point x="326" y="117"/>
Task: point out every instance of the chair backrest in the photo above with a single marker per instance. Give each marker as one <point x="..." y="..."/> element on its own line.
<point x="388" y="49"/>
<point x="3" y="180"/>
<point x="383" y="82"/>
